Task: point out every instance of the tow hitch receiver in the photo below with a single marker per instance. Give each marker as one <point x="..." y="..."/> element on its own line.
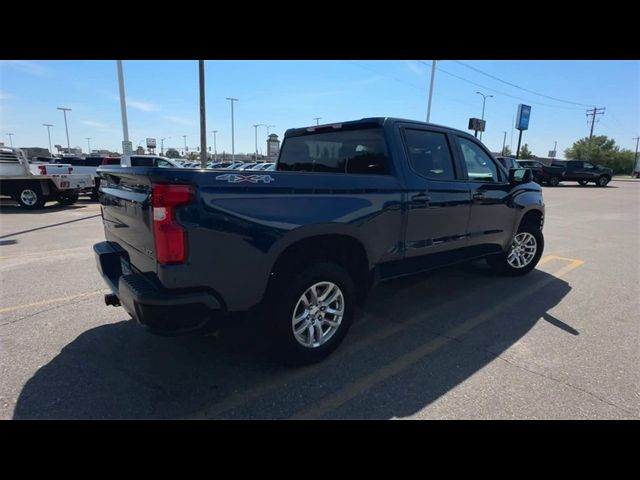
<point x="112" y="299"/>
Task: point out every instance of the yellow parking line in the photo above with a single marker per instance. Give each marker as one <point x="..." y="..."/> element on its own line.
<point x="354" y="389"/>
<point x="53" y="300"/>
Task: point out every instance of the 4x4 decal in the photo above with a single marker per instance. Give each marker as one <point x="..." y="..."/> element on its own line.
<point x="237" y="178"/>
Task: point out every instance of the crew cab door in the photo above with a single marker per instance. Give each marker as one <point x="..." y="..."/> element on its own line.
<point x="578" y="170"/>
<point x="492" y="217"/>
<point x="438" y="199"/>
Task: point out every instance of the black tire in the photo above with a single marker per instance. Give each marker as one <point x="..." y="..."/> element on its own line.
<point x="285" y="297"/>
<point x="30" y="197"/>
<point x="583" y="182"/>
<point x="553" y="181"/>
<point x="603" y="180"/>
<point x="501" y="266"/>
<point x="64" y="199"/>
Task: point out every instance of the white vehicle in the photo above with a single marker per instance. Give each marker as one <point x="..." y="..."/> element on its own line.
<point x="33" y="185"/>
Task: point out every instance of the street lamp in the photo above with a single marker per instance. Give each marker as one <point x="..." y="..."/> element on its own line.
<point x="88" y="139"/>
<point x="317" y="119"/>
<point x="255" y="128"/>
<point x="185" y="145"/>
<point x="162" y="144"/>
<point x="215" y="151"/>
<point x="484" y="99"/>
<point x="49" y="125"/>
<point x="233" y="151"/>
<point x="268" y="127"/>
<point x="64" y="111"/>
<point x="10" y="139"/>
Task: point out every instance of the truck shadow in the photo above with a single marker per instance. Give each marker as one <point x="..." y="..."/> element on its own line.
<point x="120" y="371"/>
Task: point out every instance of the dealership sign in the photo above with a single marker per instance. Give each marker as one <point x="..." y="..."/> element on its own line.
<point x="522" y="118"/>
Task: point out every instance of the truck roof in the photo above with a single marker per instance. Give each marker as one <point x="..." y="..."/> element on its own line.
<point x="369" y="121"/>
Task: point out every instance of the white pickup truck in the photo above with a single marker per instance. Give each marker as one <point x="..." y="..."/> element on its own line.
<point x="32" y="185"/>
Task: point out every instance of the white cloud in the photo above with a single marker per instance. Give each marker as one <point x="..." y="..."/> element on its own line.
<point x="416" y="68"/>
<point x="31" y="68"/>
<point x="179" y="120"/>
<point x="92" y="123"/>
<point x="140" y="105"/>
<point x="5" y="96"/>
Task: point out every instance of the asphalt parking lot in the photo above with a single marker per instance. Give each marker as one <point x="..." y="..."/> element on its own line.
<point x="561" y="343"/>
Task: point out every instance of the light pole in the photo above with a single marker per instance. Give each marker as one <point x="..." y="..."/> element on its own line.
<point x="504" y="140"/>
<point x="433" y="77"/>
<point x="484" y="99"/>
<point x="215" y="151"/>
<point x="162" y="144"/>
<point x="49" y="125"/>
<point x="126" y="145"/>
<point x="317" y="119"/>
<point x="255" y="128"/>
<point x="203" y="115"/>
<point x="185" y="145"/>
<point x="635" y="157"/>
<point x="88" y="139"/>
<point x="233" y="147"/>
<point x="10" y="139"/>
<point x="64" y="111"/>
<point x="268" y="127"/>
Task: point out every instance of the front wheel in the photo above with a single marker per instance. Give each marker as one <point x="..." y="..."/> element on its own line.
<point x="553" y="181"/>
<point x="603" y="180"/>
<point x="523" y="254"/>
<point x="312" y="313"/>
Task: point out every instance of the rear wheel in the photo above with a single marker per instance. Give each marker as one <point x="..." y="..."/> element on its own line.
<point x="30" y="197"/>
<point x="312" y="313"/>
<point x="603" y="180"/>
<point x="67" y="199"/>
<point x="553" y="181"/>
<point x="523" y="254"/>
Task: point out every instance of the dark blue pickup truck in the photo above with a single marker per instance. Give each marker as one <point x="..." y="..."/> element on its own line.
<point x="349" y="205"/>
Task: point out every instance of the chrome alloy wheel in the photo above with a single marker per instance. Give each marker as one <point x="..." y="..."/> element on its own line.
<point x="523" y="250"/>
<point x="28" y="197"/>
<point x="318" y="314"/>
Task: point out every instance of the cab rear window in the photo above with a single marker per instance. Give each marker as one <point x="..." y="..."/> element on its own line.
<point x="358" y="151"/>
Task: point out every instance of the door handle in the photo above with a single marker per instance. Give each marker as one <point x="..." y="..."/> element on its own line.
<point x="478" y="195"/>
<point x="421" y="197"/>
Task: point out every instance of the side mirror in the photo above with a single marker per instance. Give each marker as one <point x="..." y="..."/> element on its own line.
<point x="520" y="175"/>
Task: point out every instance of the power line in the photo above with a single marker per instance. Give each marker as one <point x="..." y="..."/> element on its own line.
<point x="498" y="91"/>
<point x="519" y="87"/>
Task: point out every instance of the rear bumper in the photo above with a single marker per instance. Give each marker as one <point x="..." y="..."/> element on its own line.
<point x="161" y="311"/>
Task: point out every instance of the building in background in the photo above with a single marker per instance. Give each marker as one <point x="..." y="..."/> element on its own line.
<point x="273" y="147"/>
<point x="31" y="152"/>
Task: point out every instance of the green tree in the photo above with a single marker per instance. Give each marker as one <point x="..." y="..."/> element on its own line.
<point x="172" y="153"/>
<point x="507" y="151"/>
<point x="604" y="151"/>
<point x="525" y="153"/>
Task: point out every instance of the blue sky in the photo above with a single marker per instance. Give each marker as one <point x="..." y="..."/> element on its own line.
<point x="162" y="99"/>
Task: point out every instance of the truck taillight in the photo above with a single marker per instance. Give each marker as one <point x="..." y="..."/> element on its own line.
<point x="42" y="169"/>
<point x="170" y="237"/>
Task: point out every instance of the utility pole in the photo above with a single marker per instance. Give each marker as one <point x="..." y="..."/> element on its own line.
<point x="126" y="145"/>
<point x="635" y="157"/>
<point x="162" y="144"/>
<point x="64" y="111"/>
<point x="233" y="146"/>
<point x="504" y="140"/>
<point x="555" y="153"/>
<point x="49" y="125"/>
<point x="255" y="128"/>
<point x="513" y="123"/>
<point x="10" y="139"/>
<point x="203" y="121"/>
<point x="592" y="113"/>
<point x="88" y="139"/>
<point x="185" y="145"/>
<point x="433" y="77"/>
<point x="215" y="151"/>
<point x="317" y="119"/>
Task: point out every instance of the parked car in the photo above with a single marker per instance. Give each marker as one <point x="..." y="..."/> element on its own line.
<point x="233" y="165"/>
<point x="271" y="168"/>
<point x="544" y="174"/>
<point x="246" y="166"/>
<point x="585" y="172"/>
<point x="350" y="205"/>
<point x="32" y="185"/>
<point x="220" y="165"/>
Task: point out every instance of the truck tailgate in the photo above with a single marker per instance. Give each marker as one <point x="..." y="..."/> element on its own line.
<point x="127" y="216"/>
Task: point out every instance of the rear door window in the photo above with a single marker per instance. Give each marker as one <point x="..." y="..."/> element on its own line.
<point x="343" y="151"/>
